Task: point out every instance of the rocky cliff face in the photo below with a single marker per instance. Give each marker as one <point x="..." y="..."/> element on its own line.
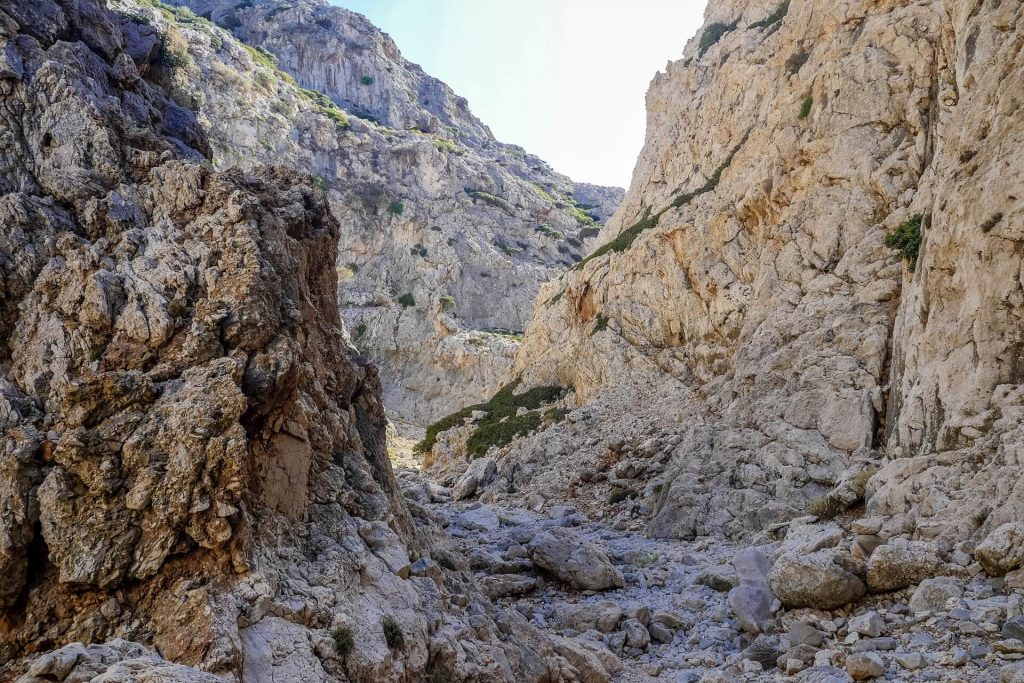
<point x="745" y="308"/>
<point x="193" y="455"/>
<point x="447" y="233"/>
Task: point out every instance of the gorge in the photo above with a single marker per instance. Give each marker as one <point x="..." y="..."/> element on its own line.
<point x="756" y="418"/>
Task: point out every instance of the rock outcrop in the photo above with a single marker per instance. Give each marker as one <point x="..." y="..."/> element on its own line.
<point x="447" y="233"/>
<point x="746" y="342"/>
<point x="194" y="456"/>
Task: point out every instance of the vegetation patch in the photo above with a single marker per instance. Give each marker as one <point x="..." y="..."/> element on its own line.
<point x="393" y="633"/>
<point x="626" y="238"/>
<point x="447" y="146"/>
<point x="773" y="18"/>
<point x="507" y="249"/>
<point x="407" y="300"/>
<point x="906" y="238"/>
<point x="548" y="231"/>
<point x="542" y="192"/>
<point x="396" y="208"/>
<point x="805" y="107"/>
<point x="600" y="324"/>
<point x="488" y="198"/>
<point x="366" y="80"/>
<point x="714" y="33"/>
<point x="500" y="424"/>
<point x="418" y="250"/>
<point x="447" y="302"/>
<point x="344" y="641"/>
<point x="360" y="330"/>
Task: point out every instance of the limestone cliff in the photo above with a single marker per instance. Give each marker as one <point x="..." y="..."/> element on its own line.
<point x="744" y="322"/>
<point x="193" y="456"/>
<point x="447" y="233"/>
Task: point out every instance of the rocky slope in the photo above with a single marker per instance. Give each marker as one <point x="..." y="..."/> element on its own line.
<point x="193" y="455"/>
<point x="771" y="349"/>
<point x="447" y="233"/>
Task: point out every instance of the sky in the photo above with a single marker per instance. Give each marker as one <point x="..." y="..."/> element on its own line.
<point x="565" y="79"/>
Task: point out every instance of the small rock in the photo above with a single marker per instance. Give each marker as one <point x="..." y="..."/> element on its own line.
<point x="636" y="634"/>
<point x="660" y="632"/>
<point x="721" y="578"/>
<point x="871" y="624"/>
<point x="801" y="633"/>
<point x="866" y="525"/>
<point x="481" y="518"/>
<point x="912" y="661"/>
<point x="933" y="594"/>
<point x="865" y="665"/>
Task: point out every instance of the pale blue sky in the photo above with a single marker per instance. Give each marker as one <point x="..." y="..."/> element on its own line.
<point x="563" y="78"/>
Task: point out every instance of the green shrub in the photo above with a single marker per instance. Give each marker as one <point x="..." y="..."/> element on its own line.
<point x="489" y="198"/>
<point x="600" y="324"/>
<point x="172" y="58"/>
<point x="407" y="300"/>
<point x="548" y="231"/>
<point x="714" y="33"/>
<point x="393" y="633"/>
<point x="504" y="404"/>
<point x="261" y="56"/>
<point x="805" y="107"/>
<point x="366" y="80"/>
<point x="360" y="330"/>
<point x="581" y="216"/>
<point x="344" y="641"/>
<point x="320" y="183"/>
<point x="906" y="239"/>
<point x="396" y="207"/>
<point x="447" y="302"/>
<point x="625" y="238"/>
<point x="542" y="192"/>
<point x="774" y="17"/>
<point x="447" y="146"/>
<point x="335" y="114"/>
<point x="508" y="249"/>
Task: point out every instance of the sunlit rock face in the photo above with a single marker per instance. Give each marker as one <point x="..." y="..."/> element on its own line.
<point x="193" y="454"/>
<point x="447" y="234"/>
<point x="744" y="317"/>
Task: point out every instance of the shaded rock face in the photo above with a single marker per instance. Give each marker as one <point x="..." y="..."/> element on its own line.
<point x="193" y="455"/>
<point x="447" y="234"/>
<point x="744" y="298"/>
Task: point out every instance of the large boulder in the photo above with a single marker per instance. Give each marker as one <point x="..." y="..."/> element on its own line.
<point x="1002" y="550"/>
<point x="822" y="579"/>
<point x="574" y="560"/>
<point x="601" y="616"/>
<point x="479" y="473"/>
<point x="902" y="563"/>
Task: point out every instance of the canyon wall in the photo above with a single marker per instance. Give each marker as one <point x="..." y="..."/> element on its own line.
<point x="744" y="307"/>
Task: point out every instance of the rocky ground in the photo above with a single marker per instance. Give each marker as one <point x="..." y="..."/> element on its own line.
<point x="706" y="610"/>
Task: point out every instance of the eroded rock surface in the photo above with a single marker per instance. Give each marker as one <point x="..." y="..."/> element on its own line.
<point x="447" y="233"/>
<point x="194" y="456"/>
